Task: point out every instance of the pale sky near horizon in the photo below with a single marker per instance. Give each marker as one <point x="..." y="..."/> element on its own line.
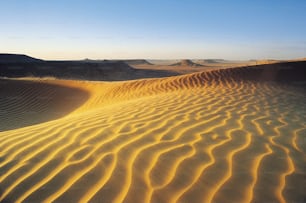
<point x="157" y="29"/>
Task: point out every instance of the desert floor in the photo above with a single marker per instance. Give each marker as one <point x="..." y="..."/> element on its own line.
<point x="200" y="137"/>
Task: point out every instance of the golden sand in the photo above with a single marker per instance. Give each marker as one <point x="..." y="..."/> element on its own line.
<point x="203" y="137"/>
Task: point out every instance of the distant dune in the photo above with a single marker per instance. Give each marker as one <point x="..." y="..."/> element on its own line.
<point x="163" y="62"/>
<point x="232" y="135"/>
<point x="106" y="70"/>
<point x="186" y="62"/>
<point x="212" y="61"/>
<point x="17" y="58"/>
<point x="137" y="62"/>
<point x="266" y="61"/>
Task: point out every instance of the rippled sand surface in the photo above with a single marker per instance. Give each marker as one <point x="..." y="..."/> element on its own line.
<point x="204" y="137"/>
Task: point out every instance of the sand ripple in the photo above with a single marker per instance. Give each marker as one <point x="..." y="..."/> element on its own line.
<point x="204" y="137"/>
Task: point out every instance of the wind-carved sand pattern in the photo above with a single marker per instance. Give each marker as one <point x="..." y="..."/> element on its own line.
<point x="204" y="137"/>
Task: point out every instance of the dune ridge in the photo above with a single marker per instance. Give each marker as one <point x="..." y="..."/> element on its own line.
<point x="217" y="136"/>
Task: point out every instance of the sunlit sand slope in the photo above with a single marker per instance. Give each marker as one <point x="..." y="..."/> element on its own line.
<point x="204" y="137"/>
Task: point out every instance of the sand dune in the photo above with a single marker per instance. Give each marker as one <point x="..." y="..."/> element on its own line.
<point x="137" y="62"/>
<point x="218" y="136"/>
<point x="98" y="70"/>
<point x="186" y="63"/>
<point x="29" y="102"/>
<point x="17" y="58"/>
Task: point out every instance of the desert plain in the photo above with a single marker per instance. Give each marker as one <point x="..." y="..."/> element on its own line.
<point x="157" y="131"/>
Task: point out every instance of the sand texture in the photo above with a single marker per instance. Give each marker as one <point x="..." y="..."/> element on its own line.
<point x="218" y="136"/>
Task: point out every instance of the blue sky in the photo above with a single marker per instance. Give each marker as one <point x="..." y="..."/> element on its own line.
<point x="154" y="29"/>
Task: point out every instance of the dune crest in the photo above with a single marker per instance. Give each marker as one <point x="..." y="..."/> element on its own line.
<point x="219" y="136"/>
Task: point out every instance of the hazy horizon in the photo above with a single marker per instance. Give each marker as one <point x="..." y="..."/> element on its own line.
<point x="152" y="59"/>
<point x="76" y="30"/>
